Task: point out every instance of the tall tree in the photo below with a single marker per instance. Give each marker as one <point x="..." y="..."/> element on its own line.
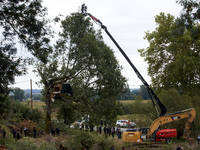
<point x="173" y="60"/>
<point x="21" y="22"/>
<point x="18" y="94"/>
<point x="83" y="59"/>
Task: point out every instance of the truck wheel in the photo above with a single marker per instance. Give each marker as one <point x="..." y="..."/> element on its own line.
<point x="169" y="140"/>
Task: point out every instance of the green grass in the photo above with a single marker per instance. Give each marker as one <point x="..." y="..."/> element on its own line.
<point x="36" y="105"/>
<point x="131" y="101"/>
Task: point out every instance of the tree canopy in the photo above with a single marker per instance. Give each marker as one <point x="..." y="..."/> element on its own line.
<point x="18" y="94"/>
<point x="81" y="58"/>
<point x="21" y="22"/>
<point x="173" y="60"/>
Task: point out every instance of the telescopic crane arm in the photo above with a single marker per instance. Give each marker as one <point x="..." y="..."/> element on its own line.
<point x="150" y="91"/>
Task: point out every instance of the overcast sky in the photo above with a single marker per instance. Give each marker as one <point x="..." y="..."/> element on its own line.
<point x="126" y="20"/>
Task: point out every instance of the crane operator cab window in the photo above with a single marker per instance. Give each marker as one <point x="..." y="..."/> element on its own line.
<point x="61" y="90"/>
<point x="67" y="89"/>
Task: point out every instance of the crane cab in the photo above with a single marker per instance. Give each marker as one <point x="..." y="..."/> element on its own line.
<point x="60" y="90"/>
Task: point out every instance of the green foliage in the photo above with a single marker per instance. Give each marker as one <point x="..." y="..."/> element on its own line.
<point x="81" y="140"/>
<point x="4" y="106"/>
<point x="144" y="93"/>
<point x="81" y="58"/>
<point x="21" y="22"/>
<point x="21" y="145"/>
<point x="18" y="94"/>
<point x="127" y="95"/>
<point x="174" y="101"/>
<point x="173" y="60"/>
<point x="102" y="142"/>
<point x="66" y="111"/>
<point x="21" y="112"/>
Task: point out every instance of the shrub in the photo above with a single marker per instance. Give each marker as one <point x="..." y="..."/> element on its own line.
<point x="81" y="140"/>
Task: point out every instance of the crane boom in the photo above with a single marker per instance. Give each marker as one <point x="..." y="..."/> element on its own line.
<point x="150" y="91"/>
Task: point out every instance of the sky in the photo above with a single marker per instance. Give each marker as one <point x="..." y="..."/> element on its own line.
<point x="126" y="20"/>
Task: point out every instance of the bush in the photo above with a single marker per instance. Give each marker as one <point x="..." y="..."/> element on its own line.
<point x="21" y="112"/>
<point x="82" y="140"/>
<point x="102" y="142"/>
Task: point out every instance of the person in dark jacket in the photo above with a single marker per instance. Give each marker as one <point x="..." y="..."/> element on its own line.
<point x="25" y="131"/>
<point x="18" y="136"/>
<point x="14" y="133"/>
<point x="57" y="131"/>
<point x="109" y="130"/>
<point x="100" y="129"/>
<point x="104" y="129"/>
<point x="4" y="133"/>
<point x="53" y="131"/>
<point x="113" y="132"/>
<point x="119" y="133"/>
<point x="34" y="132"/>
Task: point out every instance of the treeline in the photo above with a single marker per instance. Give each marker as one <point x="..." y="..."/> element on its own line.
<point x="135" y="94"/>
<point x="20" y="94"/>
<point x="130" y="94"/>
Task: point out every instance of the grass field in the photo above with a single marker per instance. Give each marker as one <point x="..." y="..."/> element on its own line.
<point x="131" y="101"/>
<point x="36" y="105"/>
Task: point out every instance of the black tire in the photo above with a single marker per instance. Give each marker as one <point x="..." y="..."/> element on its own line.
<point x="169" y="140"/>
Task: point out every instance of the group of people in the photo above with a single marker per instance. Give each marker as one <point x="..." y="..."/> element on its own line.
<point x="16" y="135"/>
<point x="55" y="131"/>
<point x="86" y="127"/>
<point x="108" y="131"/>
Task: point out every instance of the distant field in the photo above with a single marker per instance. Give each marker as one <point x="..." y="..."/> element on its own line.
<point x="126" y="101"/>
<point x="131" y="101"/>
<point x="36" y="104"/>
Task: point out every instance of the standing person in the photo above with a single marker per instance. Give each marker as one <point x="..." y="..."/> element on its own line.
<point x="119" y="133"/>
<point x="18" y="136"/>
<point x="113" y="132"/>
<point x="25" y="131"/>
<point x="104" y="129"/>
<point x="100" y="130"/>
<point x="53" y="131"/>
<point x="109" y="130"/>
<point x="91" y="128"/>
<point x="57" y="131"/>
<point x="4" y="133"/>
<point x="14" y="133"/>
<point x="86" y="127"/>
<point x="34" y="132"/>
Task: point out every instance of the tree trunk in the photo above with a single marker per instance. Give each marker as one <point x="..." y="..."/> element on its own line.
<point x="48" y="113"/>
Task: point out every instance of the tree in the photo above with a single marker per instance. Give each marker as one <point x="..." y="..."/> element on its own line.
<point x="18" y="94"/>
<point x="127" y="95"/>
<point x="144" y="93"/>
<point x="81" y="58"/>
<point x="173" y="60"/>
<point x="21" y="22"/>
